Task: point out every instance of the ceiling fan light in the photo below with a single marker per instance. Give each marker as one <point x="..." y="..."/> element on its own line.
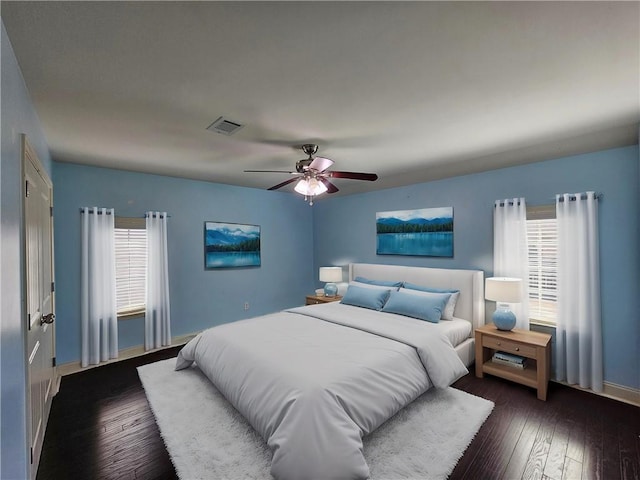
<point x="316" y="187"/>
<point x="310" y="187"/>
<point x="302" y="187"/>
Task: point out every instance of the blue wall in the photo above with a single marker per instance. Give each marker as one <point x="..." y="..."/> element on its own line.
<point x="199" y="298"/>
<point x="344" y="231"/>
<point x="18" y="116"/>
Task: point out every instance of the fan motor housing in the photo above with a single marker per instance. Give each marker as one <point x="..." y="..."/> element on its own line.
<point x="303" y="165"/>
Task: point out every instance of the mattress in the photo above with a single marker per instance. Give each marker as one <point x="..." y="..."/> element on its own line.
<point x="456" y="330"/>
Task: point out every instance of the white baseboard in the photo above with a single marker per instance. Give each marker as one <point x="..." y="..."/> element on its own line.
<point x="614" y="391"/>
<point x="622" y="393"/>
<point x="125" y="354"/>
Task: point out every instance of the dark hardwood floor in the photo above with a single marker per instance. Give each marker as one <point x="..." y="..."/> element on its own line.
<point x="101" y="427"/>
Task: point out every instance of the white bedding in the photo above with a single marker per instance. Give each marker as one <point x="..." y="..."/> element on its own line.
<point x="456" y="330"/>
<point x="314" y="380"/>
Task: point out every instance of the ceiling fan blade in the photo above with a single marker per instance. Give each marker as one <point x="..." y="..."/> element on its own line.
<point x="371" y="177"/>
<point x="320" y="164"/>
<point x="331" y="188"/>
<point x="287" y="182"/>
<point x="270" y="171"/>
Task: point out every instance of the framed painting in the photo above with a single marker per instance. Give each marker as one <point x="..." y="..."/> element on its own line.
<point x="231" y="245"/>
<point x="425" y="232"/>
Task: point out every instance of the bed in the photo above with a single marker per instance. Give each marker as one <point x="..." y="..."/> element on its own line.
<point x="470" y="304"/>
<point x="314" y="380"/>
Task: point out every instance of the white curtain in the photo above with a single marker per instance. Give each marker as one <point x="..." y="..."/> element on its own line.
<point x="510" y="250"/>
<point x="157" y="331"/>
<point x="579" y="329"/>
<point x="98" y="283"/>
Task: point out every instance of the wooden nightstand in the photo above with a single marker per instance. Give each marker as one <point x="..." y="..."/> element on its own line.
<point x="315" y="299"/>
<point x="533" y="345"/>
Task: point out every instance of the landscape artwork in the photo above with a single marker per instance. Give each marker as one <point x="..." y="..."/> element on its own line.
<point x="426" y="232"/>
<point x="230" y="245"/>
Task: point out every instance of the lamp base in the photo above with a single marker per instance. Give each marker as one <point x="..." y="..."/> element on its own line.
<point x="330" y="289"/>
<point x="504" y="319"/>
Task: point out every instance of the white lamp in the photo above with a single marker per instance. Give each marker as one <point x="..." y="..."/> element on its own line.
<point x="309" y="187"/>
<point x="330" y="275"/>
<point x="503" y="290"/>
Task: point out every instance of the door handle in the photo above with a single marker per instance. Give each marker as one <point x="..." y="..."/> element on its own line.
<point x="49" y="318"/>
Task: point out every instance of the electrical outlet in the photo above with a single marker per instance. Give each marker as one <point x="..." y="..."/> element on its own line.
<point x="246" y="305"/>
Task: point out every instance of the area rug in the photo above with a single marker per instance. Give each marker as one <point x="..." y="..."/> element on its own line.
<point x="207" y="438"/>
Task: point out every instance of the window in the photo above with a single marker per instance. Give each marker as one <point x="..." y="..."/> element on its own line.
<point x="131" y="265"/>
<point x="542" y="240"/>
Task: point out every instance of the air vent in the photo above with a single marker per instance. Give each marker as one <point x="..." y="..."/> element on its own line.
<point x="225" y="126"/>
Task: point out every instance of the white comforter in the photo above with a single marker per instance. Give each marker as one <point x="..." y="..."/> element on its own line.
<point x="314" y="380"/>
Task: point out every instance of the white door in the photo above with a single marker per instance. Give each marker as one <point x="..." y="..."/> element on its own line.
<point x="38" y="221"/>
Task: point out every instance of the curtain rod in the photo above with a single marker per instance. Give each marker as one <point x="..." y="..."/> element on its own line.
<point x="99" y="212"/>
<point x="510" y="202"/>
<point x="572" y="198"/>
<point x="583" y="196"/>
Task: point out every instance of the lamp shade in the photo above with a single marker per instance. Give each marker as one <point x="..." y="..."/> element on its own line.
<point x="331" y="274"/>
<point x="503" y="289"/>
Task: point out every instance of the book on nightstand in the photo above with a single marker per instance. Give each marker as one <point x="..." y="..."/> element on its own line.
<point x="510" y="360"/>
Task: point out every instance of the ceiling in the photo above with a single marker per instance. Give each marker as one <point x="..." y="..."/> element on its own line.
<point x="412" y="91"/>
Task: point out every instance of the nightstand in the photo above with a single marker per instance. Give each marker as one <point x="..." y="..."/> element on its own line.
<point x="315" y="299"/>
<point x="535" y="346"/>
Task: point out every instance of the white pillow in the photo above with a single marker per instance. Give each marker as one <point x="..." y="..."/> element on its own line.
<point x="368" y="285"/>
<point x="447" y="313"/>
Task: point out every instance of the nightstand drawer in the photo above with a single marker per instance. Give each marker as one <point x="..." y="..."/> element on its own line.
<point x="509" y="347"/>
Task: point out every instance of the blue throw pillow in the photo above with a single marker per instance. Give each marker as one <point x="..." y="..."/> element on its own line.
<point x="447" y="314"/>
<point x="365" y="297"/>
<point x="416" y="306"/>
<point x="382" y="283"/>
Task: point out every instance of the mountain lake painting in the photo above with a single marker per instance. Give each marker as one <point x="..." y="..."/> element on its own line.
<point x="229" y="245"/>
<point x="426" y="232"/>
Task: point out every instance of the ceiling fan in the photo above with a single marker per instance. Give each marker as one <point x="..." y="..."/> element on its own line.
<point x="313" y="175"/>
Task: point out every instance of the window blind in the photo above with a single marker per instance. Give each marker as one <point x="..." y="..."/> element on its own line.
<point x="542" y="240"/>
<point x="131" y="265"/>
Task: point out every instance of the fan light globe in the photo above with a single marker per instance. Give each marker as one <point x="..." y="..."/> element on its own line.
<point x="310" y="187"/>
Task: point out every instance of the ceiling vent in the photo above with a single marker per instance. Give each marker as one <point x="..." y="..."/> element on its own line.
<point x="225" y="126"/>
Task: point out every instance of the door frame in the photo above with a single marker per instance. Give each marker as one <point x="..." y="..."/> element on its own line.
<point x="28" y="154"/>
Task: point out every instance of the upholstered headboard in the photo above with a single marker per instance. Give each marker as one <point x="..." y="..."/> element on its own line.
<point x="470" y="304"/>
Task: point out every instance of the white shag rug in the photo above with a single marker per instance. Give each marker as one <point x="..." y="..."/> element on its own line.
<point x="207" y="438"/>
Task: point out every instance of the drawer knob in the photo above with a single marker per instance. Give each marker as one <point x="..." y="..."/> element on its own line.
<point x="517" y="349"/>
<point x="499" y="344"/>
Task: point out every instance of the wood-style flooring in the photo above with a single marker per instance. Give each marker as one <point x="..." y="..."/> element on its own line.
<point x="101" y="427"/>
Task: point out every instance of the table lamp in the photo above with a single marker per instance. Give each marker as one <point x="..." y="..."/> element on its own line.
<point x="503" y="290"/>
<point x="330" y="275"/>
